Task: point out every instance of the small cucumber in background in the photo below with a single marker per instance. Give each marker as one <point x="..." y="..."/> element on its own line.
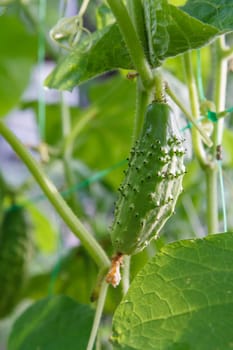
<point x="15" y="245"/>
<point x="152" y="184"/>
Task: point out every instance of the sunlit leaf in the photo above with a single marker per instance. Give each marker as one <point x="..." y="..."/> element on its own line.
<point x="184" y="296"/>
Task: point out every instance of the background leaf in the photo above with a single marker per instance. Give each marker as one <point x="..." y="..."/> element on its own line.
<point x="112" y="124"/>
<point x="107" y="52"/>
<point x="182" y="299"/>
<point x="55" y="323"/>
<point x="45" y="234"/>
<point x="80" y="66"/>
<point x="218" y="13"/>
<point x="190" y="27"/>
<point x="18" y="53"/>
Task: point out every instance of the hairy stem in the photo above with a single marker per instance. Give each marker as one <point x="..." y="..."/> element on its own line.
<point x="50" y="191"/>
<point x="132" y="41"/>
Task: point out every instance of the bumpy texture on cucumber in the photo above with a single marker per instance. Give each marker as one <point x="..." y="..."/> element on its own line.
<point x="14" y="248"/>
<point x="152" y="184"/>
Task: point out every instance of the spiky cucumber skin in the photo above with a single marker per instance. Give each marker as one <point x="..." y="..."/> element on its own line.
<point x="152" y="184"/>
<point x="14" y="248"/>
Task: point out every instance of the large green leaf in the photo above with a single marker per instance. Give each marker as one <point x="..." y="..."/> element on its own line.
<point x="170" y="30"/>
<point x="18" y="53"/>
<point x="186" y="33"/>
<point x="182" y="299"/>
<point x="55" y="323"/>
<point x="107" y="52"/>
<point x="218" y="13"/>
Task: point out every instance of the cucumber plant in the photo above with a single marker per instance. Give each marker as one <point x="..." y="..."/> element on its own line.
<point x="183" y="284"/>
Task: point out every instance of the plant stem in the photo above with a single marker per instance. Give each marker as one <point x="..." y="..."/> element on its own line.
<point x="126" y="274"/>
<point x="77" y="128"/>
<point x="208" y="166"/>
<point x="132" y="41"/>
<point x="68" y="147"/>
<point x="220" y="98"/>
<point x="88" y="241"/>
<point x="98" y="313"/>
<point x="34" y="23"/>
<point x="83" y="7"/>
<point x="194" y="104"/>
<point x="212" y="199"/>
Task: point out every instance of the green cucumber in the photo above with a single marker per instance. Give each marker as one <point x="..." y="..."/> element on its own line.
<point x="152" y="184"/>
<point x="14" y="249"/>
